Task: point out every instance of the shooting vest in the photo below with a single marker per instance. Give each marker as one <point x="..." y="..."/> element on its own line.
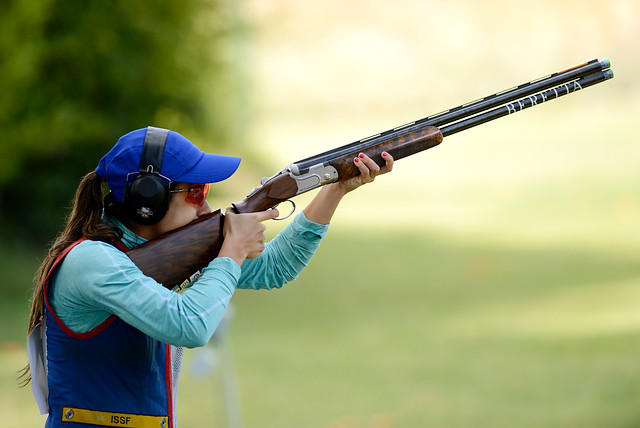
<point x="113" y="375"/>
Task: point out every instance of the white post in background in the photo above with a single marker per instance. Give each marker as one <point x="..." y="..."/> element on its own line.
<point x="217" y="357"/>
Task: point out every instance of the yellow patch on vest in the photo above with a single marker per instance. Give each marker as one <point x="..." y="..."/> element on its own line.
<point x="110" y="419"/>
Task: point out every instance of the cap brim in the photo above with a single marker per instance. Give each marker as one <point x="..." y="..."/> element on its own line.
<point x="212" y="168"/>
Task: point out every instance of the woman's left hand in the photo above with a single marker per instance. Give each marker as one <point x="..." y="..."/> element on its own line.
<point x="322" y="207"/>
<point x="369" y="170"/>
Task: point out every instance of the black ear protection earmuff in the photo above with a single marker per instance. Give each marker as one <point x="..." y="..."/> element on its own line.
<point x="146" y="197"/>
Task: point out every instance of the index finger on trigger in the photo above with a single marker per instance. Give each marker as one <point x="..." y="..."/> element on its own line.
<point x="268" y="214"/>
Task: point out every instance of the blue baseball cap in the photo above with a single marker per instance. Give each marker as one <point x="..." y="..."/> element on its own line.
<point x="182" y="162"/>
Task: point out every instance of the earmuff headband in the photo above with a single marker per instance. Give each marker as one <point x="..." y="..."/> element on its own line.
<point x="153" y="150"/>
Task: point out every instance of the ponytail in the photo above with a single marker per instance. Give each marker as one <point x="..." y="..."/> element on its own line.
<point x="85" y="220"/>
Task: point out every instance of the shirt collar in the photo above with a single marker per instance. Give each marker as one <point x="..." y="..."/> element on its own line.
<point x="129" y="239"/>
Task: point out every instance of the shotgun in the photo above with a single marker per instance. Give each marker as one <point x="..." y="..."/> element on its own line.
<point x="199" y="242"/>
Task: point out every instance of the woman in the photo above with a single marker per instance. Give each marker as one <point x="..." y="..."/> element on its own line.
<point x="106" y="341"/>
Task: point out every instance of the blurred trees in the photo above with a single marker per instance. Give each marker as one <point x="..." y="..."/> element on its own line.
<point x="75" y="76"/>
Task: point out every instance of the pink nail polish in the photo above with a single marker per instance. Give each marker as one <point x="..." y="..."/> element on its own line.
<point x="356" y="160"/>
<point x="385" y="154"/>
<point x="361" y="155"/>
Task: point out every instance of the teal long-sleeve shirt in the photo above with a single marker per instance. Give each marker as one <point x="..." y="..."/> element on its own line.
<point x="96" y="280"/>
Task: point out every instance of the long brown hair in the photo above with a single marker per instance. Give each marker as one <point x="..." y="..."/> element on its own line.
<point x="85" y="220"/>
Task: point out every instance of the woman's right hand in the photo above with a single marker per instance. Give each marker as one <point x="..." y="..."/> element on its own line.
<point x="244" y="234"/>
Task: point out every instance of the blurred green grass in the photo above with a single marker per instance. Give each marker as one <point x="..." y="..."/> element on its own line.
<point x="18" y="266"/>
<point x="434" y="331"/>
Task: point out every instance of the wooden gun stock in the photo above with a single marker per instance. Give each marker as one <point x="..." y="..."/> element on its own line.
<point x="175" y="256"/>
<point x="178" y="254"/>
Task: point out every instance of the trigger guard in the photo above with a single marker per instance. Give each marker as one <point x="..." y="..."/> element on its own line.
<point x="293" y="209"/>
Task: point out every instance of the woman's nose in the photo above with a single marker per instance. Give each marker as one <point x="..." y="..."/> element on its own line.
<point x="204" y="209"/>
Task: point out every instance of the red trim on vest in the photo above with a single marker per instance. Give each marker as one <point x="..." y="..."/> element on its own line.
<point x="168" y="378"/>
<point x="121" y="246"/>
<point x="80" y="336"/>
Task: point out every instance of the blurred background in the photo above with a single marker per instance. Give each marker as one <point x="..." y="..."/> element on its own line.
<point x="491" y="281"/>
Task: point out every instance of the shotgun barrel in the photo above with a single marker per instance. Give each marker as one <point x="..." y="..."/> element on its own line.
<point x="463" y="111"/>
